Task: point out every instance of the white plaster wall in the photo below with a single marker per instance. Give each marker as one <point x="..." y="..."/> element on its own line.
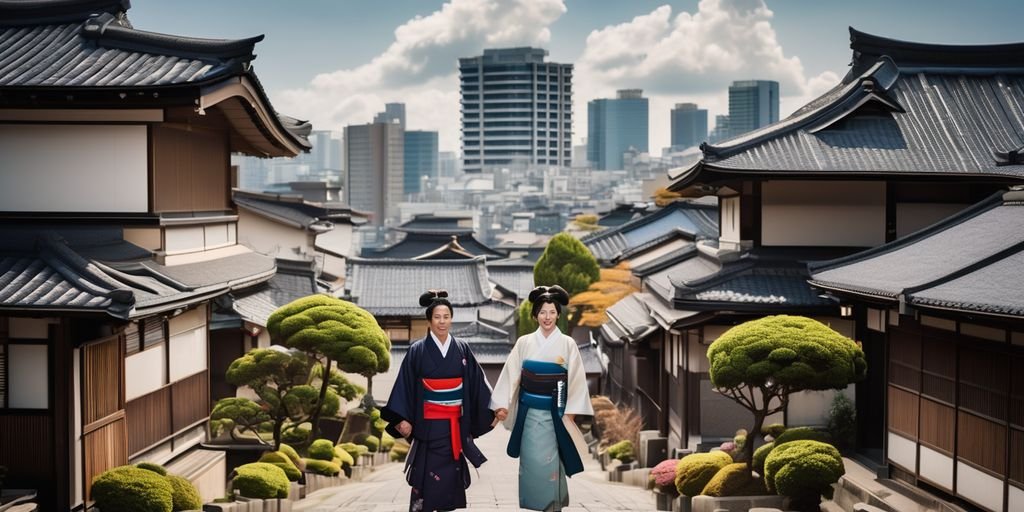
<point x="69" y="168"/>
<point x="730" y="224"/>
<point x="834" y="213"/>
<point x="144" y="372"/>
<point x="1016" y="499"/>
<point x="217" y="235"/>
<point x="28" y="376"/>
<point x="979" y="487"/>
<point x="675" y="245"/>
<point x="147" y="238"/>
<point x="188" y="353"/>
<point x="937" y="467"/>
<point x="271" y="238"/>
<point x="903" y="451"/>
<point x="183" y="239"/>
<point x="811" y="407"/>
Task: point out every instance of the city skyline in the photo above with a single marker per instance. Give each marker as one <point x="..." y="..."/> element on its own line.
<point x="677" y="52"/>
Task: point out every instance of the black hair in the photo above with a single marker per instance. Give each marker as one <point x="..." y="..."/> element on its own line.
<point x="548" y="295"/>
<point x="434" y="298"/>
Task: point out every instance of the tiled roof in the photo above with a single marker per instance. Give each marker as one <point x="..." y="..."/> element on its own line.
<point x="592" y="363"/>
<point x="698" y="220"/>
<point x="968" y="262"/>
<point x="46" y="270"/>
<point x="517" y="280"/>
<point x="420" y="243"/>
<point x="388" y="287"/>
<point x="629" y="320"/>
<point x="295" y="211"/>
<point x="904" y="109"/>
<point x="91" y="45"/>
<point x="289" y="283"/>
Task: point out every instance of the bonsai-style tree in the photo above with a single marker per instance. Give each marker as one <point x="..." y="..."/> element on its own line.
<point x="760" y="363"/>
<point x="567" y="263"/>
<point x="331" y="330"/>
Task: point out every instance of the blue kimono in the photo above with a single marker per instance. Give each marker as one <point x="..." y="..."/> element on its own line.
<point x="446" y="399"/>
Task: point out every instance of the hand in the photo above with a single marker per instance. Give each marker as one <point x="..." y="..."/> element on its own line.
<point x="501" y="414"/>
<point x="404" y="428"/>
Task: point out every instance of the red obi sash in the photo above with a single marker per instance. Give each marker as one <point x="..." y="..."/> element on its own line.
<point x="444" y="402"/>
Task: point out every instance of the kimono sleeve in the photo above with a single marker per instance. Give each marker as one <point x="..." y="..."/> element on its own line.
<point x="402" y="402"/>
<point x="480" y="416"/>
<point x="578" y="400"/>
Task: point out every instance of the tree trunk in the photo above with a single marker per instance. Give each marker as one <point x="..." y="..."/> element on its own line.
<point x="278" y="424"/>
<point x="748" y="446"/>
<point x="325" y="380"/>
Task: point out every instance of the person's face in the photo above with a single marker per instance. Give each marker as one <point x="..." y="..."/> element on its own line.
<point x="440" y="322"/>
<point x="547" y="316"/>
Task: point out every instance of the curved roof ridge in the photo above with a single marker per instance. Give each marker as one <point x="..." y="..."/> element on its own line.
<point x="912" y="54"/>
<point x="113" y="35"/>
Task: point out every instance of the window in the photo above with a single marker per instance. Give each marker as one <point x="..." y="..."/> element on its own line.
<point x="154" y="333"/>
<point x="132" y="339"/>
<point x="25" y="374"/>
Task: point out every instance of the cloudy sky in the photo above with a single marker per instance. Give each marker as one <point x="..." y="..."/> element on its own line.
<point x="336" y="62"/>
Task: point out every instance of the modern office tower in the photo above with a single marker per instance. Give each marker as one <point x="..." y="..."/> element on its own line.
<point x="374" y="159"/>
<point x="516" y="109"/>
<point x="721" y="130"/>
<point x="448" y="164"/>
<point x="421" y="160"/>
<point x="689" y="125"/>
<point x="614" y="126"/>
<point x="752" y="104"/>
<point x="393" y="112"/>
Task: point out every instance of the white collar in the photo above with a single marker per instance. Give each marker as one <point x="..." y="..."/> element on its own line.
<point x="554" y="334"/>
<point x="443" y="347"/>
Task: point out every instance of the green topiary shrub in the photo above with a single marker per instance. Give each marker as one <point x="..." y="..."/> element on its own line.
<point x="760" y="454"/>
<point x="774" y="430"/>
<point x="260" y="480"/>
<point x="695" y="471"/>
<point x="399" y="451"/>
<point x="321" y="449"/>
<point x="803" y="471"/>
<point x="372" y="443"/>
<point x="297" y="435"/>
<point x="281" y="460"/>
<point x="622" y="451"/>
<point x="184" y="495"/>
<point x="152" y="466"/>
<point x="386" y="442"/>
<point x="800" y="434"/>
<point x="294" y="456"/>
<point x="842" y="422"/>
<point x="345" y="457"/>
<point x="130" y="489"/>
<point x="322" y="467"/>
<point x="352" y="449"/>
<point x="734" y="480"/>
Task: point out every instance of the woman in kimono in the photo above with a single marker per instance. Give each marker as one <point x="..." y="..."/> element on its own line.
<point x="440" y="402"/>
<point x="541" y="389"/>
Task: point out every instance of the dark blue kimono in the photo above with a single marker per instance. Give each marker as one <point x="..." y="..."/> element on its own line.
<point x="438" y="481"/>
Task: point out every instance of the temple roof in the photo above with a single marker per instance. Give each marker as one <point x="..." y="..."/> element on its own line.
<point x="696" y="220"/>
<point x="389" y="287"/>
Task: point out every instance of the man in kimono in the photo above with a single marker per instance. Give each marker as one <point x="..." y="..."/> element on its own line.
<point x="441" y="403"/>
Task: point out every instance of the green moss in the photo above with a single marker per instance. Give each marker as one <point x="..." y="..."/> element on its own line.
<point x="281" y="460"/>
<point x="152" y="466"/>
<point x="293" y="455"/>
<point x="695" y="471"/>
<point x="760" y="454"/>
<point x="321" y="449"/>
<point x="260" y="480"/>
<point x="345" y="458"/>
<point x="800" y="434"/>
<point x="803" y="471"/>
<point x="734" y="480"/>
<point x="322" y="467"/>
<point x="131" y="489"/>
<point x="352" y="449"/>
<point x="184" y="495"/>
<point x="622" y="451"/>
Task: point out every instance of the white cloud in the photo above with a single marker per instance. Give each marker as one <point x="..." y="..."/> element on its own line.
<point x="690" y="57"/>
<point x="419" y="67"/>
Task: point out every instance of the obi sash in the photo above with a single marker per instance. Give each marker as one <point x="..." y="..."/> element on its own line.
<point x="442" y="400"/>
<point x="544" y="386"/>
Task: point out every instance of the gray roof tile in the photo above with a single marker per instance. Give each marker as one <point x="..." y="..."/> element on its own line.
<point x="698" y="220"/>
<point x="388" y="287"/>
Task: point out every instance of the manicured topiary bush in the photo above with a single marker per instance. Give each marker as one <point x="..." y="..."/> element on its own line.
<point x="297" y="435"/>
<point x="321" y="449"/>
<point x="663" y="476"/>
<point x="695" y="471"/>
<point x="803" y="471"/>
<point x="621" y="451"/>
<point x="152" y="466"/>
<point x="322" y="467"/>
<point x="281" y="460"/>
<point x="734" y="480"/>
<point x="801" y="434"/>
<point x="372" y="443"/>
<point x="760" y="454"/>
<point x="344" y="457"/>
<point x="774" y="430"/>
<point x="260" y="480"/>
<point x="184" y="495"/>
<point x="294" y="456"/>
<point x="399" y="451"/>
<point x="130" y="489"/>
<point x="386" y="442"/>
<point x="352" y="449"/>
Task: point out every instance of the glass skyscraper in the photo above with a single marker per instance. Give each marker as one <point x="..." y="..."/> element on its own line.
<point x="516" y="108"/>
<point x="614" y="126"/>
<point x="420" y="159"/>
<point x="689" y="125"/>
<point x="752" y="104"/>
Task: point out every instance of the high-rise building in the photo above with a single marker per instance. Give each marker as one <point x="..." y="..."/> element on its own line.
<point x="689" y="125"/>
<point x="752" y="104"/>
<point x="393" y="113"/>
<point x="516" y="108"/>
<point x="421" y="159"/>
<point x="448" y="164"/>
<point x="614" y="126"/>
<point x="721" y="130"/>
<point x="375" y="164"/>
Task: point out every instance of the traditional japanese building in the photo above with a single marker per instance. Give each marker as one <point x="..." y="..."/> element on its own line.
<point x="118" y="233"/>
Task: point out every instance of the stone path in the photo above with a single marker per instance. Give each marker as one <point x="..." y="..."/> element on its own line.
<point x="495" y="488"/>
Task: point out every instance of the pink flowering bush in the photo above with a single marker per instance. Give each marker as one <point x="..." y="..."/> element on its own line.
<point x="663" y="476"/>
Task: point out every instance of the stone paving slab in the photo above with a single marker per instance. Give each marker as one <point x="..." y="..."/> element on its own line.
<point x="495" y="487"/>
